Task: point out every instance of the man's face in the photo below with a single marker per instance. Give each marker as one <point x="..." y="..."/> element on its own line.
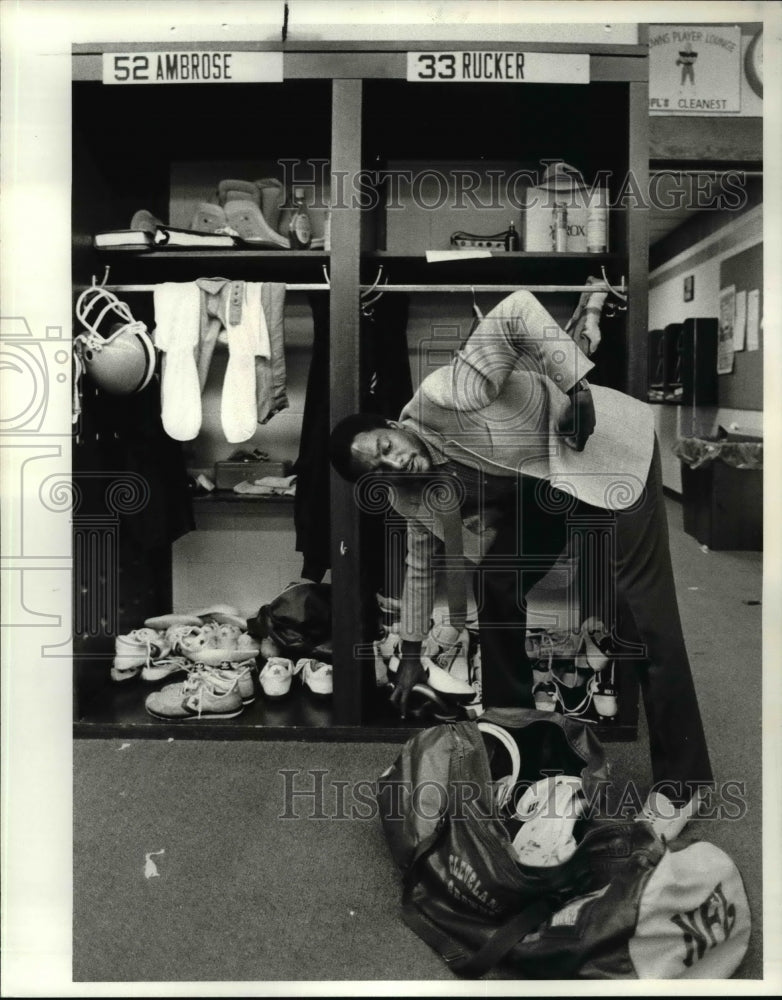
<point x="389" y="450"/>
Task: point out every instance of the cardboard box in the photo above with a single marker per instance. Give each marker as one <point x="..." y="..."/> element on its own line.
<point x="228" y="474"/>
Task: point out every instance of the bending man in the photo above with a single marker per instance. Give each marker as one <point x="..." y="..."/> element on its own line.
<point x="525" y="446"/>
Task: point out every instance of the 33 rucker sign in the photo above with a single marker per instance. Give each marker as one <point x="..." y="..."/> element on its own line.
<point x="485" y="66"/>
<point x="192" y="67"/>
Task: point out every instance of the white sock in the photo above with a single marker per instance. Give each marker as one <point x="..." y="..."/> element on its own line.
<point x="177" y="327"/>
<point x="246" y="340"/>
<point x="586" y="330"/>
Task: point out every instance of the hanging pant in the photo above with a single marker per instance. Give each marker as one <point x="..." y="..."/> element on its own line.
<point x="190" y="317"/>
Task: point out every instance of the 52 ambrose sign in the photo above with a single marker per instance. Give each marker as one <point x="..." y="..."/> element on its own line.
<point x="192" y="67"/>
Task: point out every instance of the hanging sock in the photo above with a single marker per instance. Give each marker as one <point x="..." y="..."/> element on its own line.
<point x="584" y="325"/>
<point x="247" y="340"/>
<point x="177" y="325"/>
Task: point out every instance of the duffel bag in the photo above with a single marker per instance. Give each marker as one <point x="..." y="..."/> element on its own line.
<point x="621" y="905"/>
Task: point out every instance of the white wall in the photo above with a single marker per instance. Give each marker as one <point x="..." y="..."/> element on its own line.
<point x="667" y="305"/>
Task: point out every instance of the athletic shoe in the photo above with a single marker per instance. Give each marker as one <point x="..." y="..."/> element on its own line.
<point x="666" y="819"/>
<point x="215" y="657"/>
<point x="443" y="645"/>
<point x="388" y="645"/>
<point x="198" y="697"/>
<point x="223" y="614"/>
<point x="445" y="683"/>
<point x="549" y="810"/>
<point x="177" y="634"/>
<point x="239" y="673"/>
<point x="136" y="650"/>
<point x="547" y="645"/>
<point x="386" y="648"/>
<point x="317" y="676"/>
<point x="475" y="676"/>
<point x="592" y="654"/>
<point x="546" y="697"/>
<point x="157" y="670"/>
<point x="605" y="700"/>
<point x="163" y="622"/>
<point x="277" y="675"/>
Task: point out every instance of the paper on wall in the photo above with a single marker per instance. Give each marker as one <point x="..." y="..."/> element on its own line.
<point x="727" y="316"/>
<point x="740" y="325"/>
<point x="753" y="320"/>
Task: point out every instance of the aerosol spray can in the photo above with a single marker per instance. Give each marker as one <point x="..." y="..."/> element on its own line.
<point x="597" y="222"/>
<point x="560" y="227"/>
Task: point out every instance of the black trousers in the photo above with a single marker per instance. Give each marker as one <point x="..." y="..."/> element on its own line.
<point x="637" y="584"/>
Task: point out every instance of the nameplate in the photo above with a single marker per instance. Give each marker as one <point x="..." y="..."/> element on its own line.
<point x="192" y="67"/>
<point x="497" y="67"/>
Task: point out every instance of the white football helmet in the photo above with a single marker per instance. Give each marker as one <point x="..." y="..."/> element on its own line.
<point x="116" y="350"/>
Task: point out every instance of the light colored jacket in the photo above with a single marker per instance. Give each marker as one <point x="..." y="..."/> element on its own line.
<point x="497" y="408"/>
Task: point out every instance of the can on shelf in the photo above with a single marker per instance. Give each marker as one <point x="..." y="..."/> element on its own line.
<point x="560" y="227"/>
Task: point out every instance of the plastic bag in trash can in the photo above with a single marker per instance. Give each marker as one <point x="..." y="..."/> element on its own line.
<point x="732" y="449"/>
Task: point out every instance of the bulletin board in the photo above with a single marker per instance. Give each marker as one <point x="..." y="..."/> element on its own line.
<point x="742" y="389"/>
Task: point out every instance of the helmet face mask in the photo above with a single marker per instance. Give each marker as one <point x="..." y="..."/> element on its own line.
<point x="116" y="351"/>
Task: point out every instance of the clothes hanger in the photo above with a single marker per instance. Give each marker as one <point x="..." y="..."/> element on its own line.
<point x="368" y="299"/>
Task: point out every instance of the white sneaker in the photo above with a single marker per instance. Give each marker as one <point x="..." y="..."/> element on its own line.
<point x="389" y="644"/>
<point x="317" y="676"/>
<point x="239" y="675"/>
<point x="157" y="670"/>
<point x="277" y="675"/>
<point x="223" y="614"/>
<point x="197" y="697"/>
<point x="549" y="810"/>
<point x="135" y="650"/>
<point x="666" y="819"/>
<point x="591" y="655"/>
<point x="546" y="695"/>
<point x="445" y="683"/>
<point x="164" y="622"/>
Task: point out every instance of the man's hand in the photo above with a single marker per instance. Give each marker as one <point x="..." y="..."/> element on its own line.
<point x="578" y="419"/>
<point x="410" y="672"/>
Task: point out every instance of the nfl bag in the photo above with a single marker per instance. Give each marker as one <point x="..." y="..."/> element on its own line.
<point x="620" y="905"/>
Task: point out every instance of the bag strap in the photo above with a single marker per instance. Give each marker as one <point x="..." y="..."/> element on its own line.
<point x="493" y="950"/>
<point x="504" y="938"/>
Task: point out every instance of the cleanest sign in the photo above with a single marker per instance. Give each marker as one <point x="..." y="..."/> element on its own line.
<point x="192" y="67"/>
<point x="497" y="67"/>
<point x="694" y="69"/>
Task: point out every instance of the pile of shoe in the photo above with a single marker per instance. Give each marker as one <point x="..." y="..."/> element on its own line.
<point x="450" y="657"/>
<point x="211" y="648"/>
<point x="276" y="676"/>
<point x="248" y="209"/>
<point x="573" y="671"/>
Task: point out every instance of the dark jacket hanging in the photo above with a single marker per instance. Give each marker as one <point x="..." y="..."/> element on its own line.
<point x="386" y="386"/>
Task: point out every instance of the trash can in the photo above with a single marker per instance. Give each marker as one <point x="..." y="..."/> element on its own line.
<point x="722" y="490"/>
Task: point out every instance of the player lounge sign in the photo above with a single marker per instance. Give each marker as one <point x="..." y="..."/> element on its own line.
<point x="694" y="69"/>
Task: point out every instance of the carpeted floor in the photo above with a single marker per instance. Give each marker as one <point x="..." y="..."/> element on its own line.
<point x="192" y="862"/>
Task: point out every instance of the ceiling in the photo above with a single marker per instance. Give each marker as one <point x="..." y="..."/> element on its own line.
<point x="671" y="195"/>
